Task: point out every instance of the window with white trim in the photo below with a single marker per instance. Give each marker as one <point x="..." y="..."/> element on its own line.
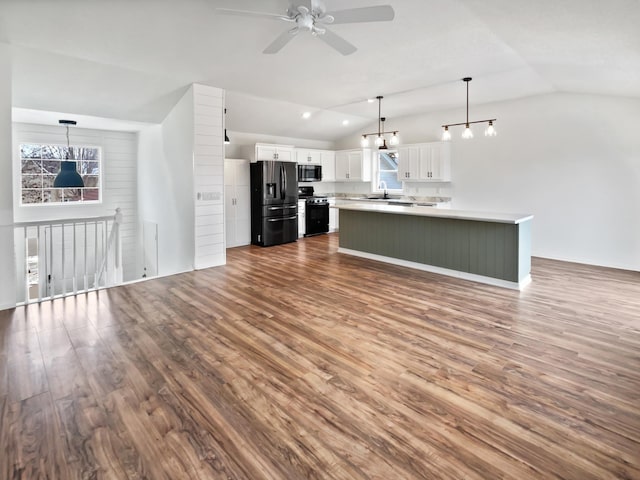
<point x="40" y="164"/>
<point x="387" y="171"/>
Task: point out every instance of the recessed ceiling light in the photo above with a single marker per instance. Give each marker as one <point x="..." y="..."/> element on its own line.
<point x="306" y="115"/>
<point x="345" y="122"/>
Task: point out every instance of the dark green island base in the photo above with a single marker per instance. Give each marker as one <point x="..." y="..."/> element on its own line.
<point x="491" y="248"/>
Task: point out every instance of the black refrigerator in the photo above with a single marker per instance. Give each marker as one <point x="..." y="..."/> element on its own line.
<point x="274" y="203"/>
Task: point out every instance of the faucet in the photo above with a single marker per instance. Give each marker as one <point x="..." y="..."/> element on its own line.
<point x="384" y="184"/>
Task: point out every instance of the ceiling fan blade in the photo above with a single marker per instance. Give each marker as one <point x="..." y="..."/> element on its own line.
<point x="244" y="13"/>
<point x="337" y="42"/>
<point x="279" y="42"/>
<point x="381" y="13"/>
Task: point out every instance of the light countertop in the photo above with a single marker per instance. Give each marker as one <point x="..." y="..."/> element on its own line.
<point x="437" y="212"/>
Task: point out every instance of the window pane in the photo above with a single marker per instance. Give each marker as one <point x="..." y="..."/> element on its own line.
<point x="31" y="166"/>
<point x="30" y="151"/>
<point x="90" y="180"/>
<point x="89" y="153"/>
<point x="90" y="194"/>
<point x="31" y="181"/>
<point x="71" y="194"/>
<point x="89" y="168"/>
<point x="52" y="151"/>
<point x="51" y="167"/>
<point x="53" y="195"/>
<point x="31" y="196"/>
<point x="47" y="181"/>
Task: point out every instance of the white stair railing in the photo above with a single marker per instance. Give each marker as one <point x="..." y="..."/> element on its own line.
<point x="67" y="257"/>
<point x="110" y="271"/>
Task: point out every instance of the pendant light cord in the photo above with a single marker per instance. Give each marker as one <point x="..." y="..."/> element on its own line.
<point x="467" y="82"/>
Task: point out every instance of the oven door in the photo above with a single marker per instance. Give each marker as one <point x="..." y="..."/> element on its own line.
<point x="316" y="218"/>
<point x="309" y="173"/>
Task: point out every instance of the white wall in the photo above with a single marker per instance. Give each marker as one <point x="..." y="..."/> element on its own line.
<point x="208" y="176"/>
<point x="181" y="185"/>
<point x="119" y="177"/>
<point x="7" y="263"/>
<point x="165" y="185"/>
<point x="572" y="160"/>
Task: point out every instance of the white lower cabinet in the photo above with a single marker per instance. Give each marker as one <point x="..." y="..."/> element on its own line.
<point x="237" y="202"/>
<point x="333" y="215"/>
<point x="301" y="219"/>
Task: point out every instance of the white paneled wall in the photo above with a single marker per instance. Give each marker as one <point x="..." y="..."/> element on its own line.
<point x="119" y="182"/>
<point x="208" y="170"/>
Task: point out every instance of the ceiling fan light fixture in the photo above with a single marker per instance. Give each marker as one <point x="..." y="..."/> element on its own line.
<point x="467" y="133"/>
<point x="314" y="20"/>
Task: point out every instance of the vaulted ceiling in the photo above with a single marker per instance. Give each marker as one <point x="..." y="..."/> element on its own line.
<point x="133" y="60"/>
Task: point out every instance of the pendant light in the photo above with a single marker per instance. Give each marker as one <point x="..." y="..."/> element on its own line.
<point x="467" y="133"/>
<point x="68" y="176"/>
<point x="226" y="138"/>
<point x="380" y="141"/>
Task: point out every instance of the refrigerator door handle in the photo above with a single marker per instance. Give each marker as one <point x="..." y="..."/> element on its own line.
<point x="283" y="192"/>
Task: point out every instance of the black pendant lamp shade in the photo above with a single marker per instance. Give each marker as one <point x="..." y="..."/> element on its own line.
<point x="68" y="177"/>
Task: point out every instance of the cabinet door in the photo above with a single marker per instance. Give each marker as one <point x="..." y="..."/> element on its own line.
<point x="285" y="155"/>
<point x="328" y="162"/>
<point x="355" y="166"/>
<point x="342" y="166"/>
<point x="266" y="152"/>
<point x="301" y="219"/>
<point x="408" y="164"/>
<point x="333" y="217"/>
<point x="439" y="161"/>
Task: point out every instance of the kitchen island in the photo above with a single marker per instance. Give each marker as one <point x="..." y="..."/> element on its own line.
<point x="493" y="248"/>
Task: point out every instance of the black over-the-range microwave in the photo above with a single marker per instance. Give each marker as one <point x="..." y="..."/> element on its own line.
<point x="309" y="173"/>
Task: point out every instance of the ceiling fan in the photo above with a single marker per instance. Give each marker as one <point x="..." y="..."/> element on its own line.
<point x="312" y="16"/>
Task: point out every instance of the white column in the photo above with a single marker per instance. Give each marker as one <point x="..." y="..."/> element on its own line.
<point x="7" y="251"/>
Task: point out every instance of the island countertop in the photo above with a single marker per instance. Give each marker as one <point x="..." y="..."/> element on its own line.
<point x="512" y="218"/>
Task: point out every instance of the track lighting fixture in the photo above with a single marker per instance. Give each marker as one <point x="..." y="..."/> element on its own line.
<point x="467" y="133"/>
<point x="380" y="141"/>
<point x="68" y="176"/>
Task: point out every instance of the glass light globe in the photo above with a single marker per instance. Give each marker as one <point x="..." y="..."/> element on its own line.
<point x="446" y="134"/>
<point x="394" y="139"/>
<point x="490" y="131"/>
<point x="364" y="142"/>
<point x="378" y="141"/>
<point x="467" y="132"/>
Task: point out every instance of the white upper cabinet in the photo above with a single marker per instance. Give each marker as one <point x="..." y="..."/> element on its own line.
<point x="304" y="155"/>
<point x="328" y="162"/>
<point x="283" y="153"/>
<point x="424" y="162"/>
<point x="353" y="165"/>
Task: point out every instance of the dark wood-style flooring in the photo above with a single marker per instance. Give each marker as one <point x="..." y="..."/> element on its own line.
<point x="297" y="362"/>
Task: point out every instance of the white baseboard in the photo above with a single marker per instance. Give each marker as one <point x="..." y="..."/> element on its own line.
<point x="439" y="270"/>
